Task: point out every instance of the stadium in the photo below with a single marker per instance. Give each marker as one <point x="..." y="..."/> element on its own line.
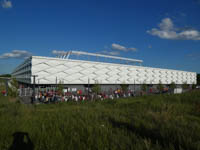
<point x="79" y="70"/>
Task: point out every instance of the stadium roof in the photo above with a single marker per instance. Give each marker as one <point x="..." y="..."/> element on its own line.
<point x="66" y="55"/>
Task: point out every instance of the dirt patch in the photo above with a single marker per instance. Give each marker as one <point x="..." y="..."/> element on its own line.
<point x="11" y="99"/>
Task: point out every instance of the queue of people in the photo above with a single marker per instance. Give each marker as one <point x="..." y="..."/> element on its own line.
<point x="54" y="97"/>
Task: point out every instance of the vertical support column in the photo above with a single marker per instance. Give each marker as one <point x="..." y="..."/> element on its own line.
<point x="56" y="84"/>
<point x="34" y="88"/>
<point x="88" y="85"/>
<point x="33" y="98"/>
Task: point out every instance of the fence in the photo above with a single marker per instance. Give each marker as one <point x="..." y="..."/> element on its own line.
<point x="29" y="91"/>
<point x="25" y="92"/>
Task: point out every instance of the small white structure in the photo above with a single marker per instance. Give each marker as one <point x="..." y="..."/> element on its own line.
<point x="178" y="90"/>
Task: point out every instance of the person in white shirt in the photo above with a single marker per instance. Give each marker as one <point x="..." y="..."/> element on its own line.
<point x="76" y="98"/>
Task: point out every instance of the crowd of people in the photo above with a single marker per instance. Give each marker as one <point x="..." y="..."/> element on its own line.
<point x="54" y="96"/>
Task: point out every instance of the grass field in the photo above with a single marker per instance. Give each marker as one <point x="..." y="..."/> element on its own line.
<point x="158" y="122"/>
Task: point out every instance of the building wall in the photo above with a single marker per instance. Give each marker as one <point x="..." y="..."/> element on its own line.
<point x="54" y="70"/>
<point x="23" y="72"/>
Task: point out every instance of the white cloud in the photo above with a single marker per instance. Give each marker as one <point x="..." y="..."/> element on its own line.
<point x="132" y="49"/>
<point x="115" y="46"/>
<point x="118" y="47"/>
<point x="6" y="4"/>
<point x="167" y="30"/>
<point x="115" y="53"/>
<point x="149" y="46"/>
<point x="166" y="24"/>
<point x="58" y="52"/>
<point x="16" y="54"/>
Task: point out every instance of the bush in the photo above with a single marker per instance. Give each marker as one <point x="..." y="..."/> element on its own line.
<point x="185" y="86"/>
<point x="160" y="87"/>
<point x="60" y="87"/>
<point x="96" y="88"/>
<point x="13" y="90"/>
<point x="144" y="87"/>
<point x="172" y="86"/>
<point x="124" y="87"/>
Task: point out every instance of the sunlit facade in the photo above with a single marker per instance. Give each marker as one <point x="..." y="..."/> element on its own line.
<point x="50" y="71"/>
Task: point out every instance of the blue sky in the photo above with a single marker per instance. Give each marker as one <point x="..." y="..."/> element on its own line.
<point x="163" y="33"/>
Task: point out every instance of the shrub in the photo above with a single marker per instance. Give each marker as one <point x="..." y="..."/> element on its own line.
<point x="160" y="87"/>
<point x="96" y="88"/>
<point x="185" y="86"/>
<point x="124" y="87"/>
<point x="172" y="86"/>
<point x="13" y="89"/>
<point x="60" y="87"/>
<point x="144" y="87"/>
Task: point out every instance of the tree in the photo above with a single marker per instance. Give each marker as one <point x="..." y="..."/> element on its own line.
<point x="60" y="87"/>
<point x="96" y="88"/>
<point x="172" y="86"/>
<point x="185" y="86"/>
<point x="198" y="79"/>
<point x="14" y="83"/>
<point x="13" y="88"/>
<point x="144" y="87"/>
<point x="160" y="87"/>
<point x="193" y="86"/>
<point x="5" y="75"/>
<point x="124" y="87"/>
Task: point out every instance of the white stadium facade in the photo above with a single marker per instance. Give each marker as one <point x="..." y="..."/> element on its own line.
<point x="79" y="73"/>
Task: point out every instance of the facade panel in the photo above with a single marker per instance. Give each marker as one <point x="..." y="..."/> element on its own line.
<point x="53" y="70"/>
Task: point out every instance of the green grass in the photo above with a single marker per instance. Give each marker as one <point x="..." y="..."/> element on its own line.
<point x="158" y="122"/>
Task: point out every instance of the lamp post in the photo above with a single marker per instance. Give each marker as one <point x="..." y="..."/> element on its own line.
<point x="134" y="86"/>
<point x="115" y="85"/>
<point x="88" y="86"/>
<point x="33" y="99"/>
